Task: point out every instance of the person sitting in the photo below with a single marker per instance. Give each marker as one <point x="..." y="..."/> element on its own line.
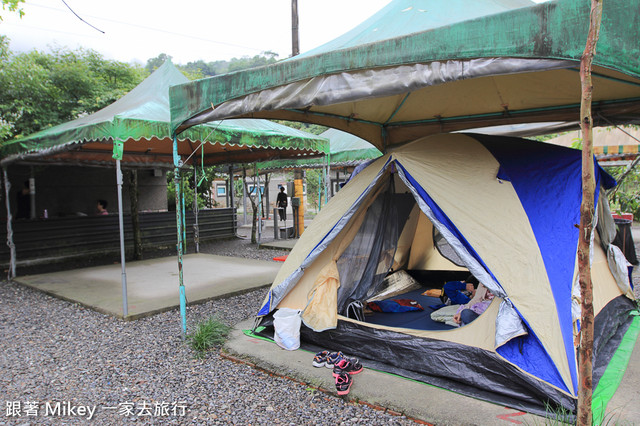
<point x="102" y="208"/>
<point x="475" y="307"/>
<point x="460" y="292"/>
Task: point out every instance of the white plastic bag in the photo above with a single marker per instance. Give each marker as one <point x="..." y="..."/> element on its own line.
<point x="286" y="322"/>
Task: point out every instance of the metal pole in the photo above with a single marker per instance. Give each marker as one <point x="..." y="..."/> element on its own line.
<point x="257" y="176"/>
<point x="176" y="179"/>
<point x="125" y="308"/>
<point x="244" y="200"/>
<point x="12" y="247"/>
<point x="328" y="180"/>
<point x="196" y="229"/>
<point x="320" y="184"/>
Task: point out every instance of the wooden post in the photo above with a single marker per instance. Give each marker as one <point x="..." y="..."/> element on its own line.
<point x="585" y="349"/>
<point x="135" y="216"/>
<point x="295" y="42"/>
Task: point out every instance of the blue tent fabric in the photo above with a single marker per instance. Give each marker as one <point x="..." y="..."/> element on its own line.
<point x="535" y="171"/>
<point x="513" y="350"/>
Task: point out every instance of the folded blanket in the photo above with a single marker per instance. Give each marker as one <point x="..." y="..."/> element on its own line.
<point x="446" y="314"/>
<point x="399" y="282"/>
<point x="395" y="305"/>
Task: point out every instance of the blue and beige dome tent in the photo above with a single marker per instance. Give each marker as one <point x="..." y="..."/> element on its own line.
<point x="504" y="209"/>
<point x="507" y="208"/>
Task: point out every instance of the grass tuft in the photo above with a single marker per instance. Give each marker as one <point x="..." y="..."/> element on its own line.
<point x="208" y="334"/>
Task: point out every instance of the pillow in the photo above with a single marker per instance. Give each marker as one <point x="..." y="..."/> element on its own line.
<point x="395" y="305"/>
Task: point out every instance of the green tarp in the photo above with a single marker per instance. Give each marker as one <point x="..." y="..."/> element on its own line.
<point x="516" y="66"/>
<point x="345" y="150"/>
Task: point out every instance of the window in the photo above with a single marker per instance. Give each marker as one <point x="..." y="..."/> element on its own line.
<point x="221" y="190"/>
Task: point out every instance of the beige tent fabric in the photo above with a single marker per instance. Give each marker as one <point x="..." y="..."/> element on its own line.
<point x="331" y="213"/>
<point x="424" y="254"/>
<point x="299" y="296"/>
<point x="492" y="217"/>
<point x="322" y="313"/>
<point x="607" y="287"/>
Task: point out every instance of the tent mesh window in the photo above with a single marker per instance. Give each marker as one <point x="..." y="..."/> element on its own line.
<point x="445" y="249"/>
<point x="369" y="257"/>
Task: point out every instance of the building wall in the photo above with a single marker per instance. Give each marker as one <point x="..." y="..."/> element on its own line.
<point x="74" y="191"/>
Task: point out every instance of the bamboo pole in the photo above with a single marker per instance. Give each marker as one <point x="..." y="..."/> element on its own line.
<point x="181" y="290"/>
<point x="585" y="349"/>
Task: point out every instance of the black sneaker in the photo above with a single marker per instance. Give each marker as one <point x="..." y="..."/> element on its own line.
<point x="343" y="383"/>
<point x="347" y="366"/>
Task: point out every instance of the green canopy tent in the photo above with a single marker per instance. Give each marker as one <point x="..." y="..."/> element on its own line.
<point x="135" y="130"/>
<point x="346" y="150"/>
<point x="434" y="68"/>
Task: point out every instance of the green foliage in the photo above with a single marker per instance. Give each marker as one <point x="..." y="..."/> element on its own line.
<point x="39" y="90"/>
<point x="237" y="64"/>
<point x="189" y="189"/>
<point x="313" y="186"/>
<point x="208" y="334"/>
<point x="314" y="129"/>
<point x="627" y="197"/>
<point x="13" y="6"/>
<point x="200" y="69"/>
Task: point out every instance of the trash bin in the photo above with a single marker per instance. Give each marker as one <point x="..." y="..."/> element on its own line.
<point x="624" y="240"/>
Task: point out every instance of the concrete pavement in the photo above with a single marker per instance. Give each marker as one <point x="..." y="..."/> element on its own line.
<point x="410" y="398"/>
<point x="152" y="285"/>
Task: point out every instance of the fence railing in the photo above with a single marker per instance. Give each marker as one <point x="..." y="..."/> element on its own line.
<point x="92" y="235"/>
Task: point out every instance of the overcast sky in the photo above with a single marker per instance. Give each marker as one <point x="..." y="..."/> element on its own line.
<point x="187" y="30"/>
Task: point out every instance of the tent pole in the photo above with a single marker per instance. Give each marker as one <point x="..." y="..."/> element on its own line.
<point x="125" y="309"/>
<point x="183" y="205"/>
<point x="12" y="247"/>
<point x="328" y="181"/>
<point x="176" y="180"/>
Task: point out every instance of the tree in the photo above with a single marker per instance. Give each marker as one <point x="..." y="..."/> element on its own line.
<point x="587" y="213"/>
<point x="155" y="63"/>
<point x="12" y="6"/>
<point x="39" y="90"/>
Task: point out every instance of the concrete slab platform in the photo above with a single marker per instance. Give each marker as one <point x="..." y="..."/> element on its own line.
<point x="280" y="244"/>
<point x="152" y="285"/>
<point x="410" y="398"/>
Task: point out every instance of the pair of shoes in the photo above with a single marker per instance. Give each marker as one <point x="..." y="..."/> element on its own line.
<point x="327" y="359"/>
<point x="320" y="359"/>
<point x="343" y="371"/>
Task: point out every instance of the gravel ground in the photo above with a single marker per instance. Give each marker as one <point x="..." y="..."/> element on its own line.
<point x="59" y="352"/>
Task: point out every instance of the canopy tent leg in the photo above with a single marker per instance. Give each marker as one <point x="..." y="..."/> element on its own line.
<point x="196" y="228"/>
<point x="125" y="308"/>
<point x="328" y="179"/>
<point x="244" y="201"/>
<point x="12" y="247"/>
<point x="176" y="180"/>
<point x="183" y="204"/>
<point x="257" y="186"/>
<point x="231" y="201"/>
